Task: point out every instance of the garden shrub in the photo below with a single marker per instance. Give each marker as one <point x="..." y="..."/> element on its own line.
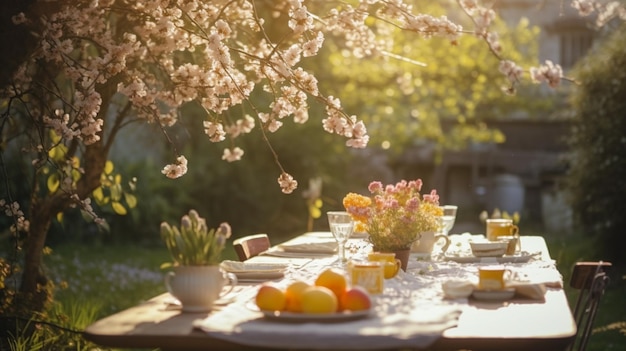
<point x="598" y="144"/>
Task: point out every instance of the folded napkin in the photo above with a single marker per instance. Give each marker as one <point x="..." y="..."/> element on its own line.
<point x="456" y="289"/>
<point x="550" y="277"/>
<point x="248" y="271"/>
<point x="321" y="247"/>
<point x="534" y="291"/>
<point x="278" y="252"/>
<point x="249" y="267"/>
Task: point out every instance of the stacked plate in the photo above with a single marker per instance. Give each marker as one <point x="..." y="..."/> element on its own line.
<point x="254" y="271"/>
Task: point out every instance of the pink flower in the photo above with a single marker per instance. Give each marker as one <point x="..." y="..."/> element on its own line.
<point x="375" y="187"/>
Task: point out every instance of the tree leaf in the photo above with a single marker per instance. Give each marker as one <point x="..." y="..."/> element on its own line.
<point x="131" y="200"/>
<point x="118" y="208"/>
<point x="108" y="167"/>
<point x="116" y="192"/>
<point x="53" y="183"/>
<point x="98" y="195"/>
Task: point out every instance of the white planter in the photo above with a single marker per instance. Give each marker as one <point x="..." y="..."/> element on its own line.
<point x="197" y="287"/>
<point x="427" y="241"/>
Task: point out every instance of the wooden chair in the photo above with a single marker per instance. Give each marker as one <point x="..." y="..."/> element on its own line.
<point x="251" y="245"/>
<point x="591" y="279"/>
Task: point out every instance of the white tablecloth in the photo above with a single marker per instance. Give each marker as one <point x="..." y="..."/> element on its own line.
<point x="411" y="312"/>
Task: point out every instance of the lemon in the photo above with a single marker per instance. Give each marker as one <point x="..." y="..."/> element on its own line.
<point x="319" y="299"/>
<point x="271" y="298"/>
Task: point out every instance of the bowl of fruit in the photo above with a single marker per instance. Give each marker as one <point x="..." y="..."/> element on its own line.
<point x="329" y="298"/>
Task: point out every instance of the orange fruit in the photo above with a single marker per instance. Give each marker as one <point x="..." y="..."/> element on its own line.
<point x="334" y="280"/>
<point x="355" y="298"/>
<point x="270" y="298"/>
<point x="319" y="299"/>
<point x="294" y="295"/>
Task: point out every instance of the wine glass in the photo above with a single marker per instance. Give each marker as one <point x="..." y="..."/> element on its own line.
<point x="342" y="226"/>
<point x="448" y="218"/>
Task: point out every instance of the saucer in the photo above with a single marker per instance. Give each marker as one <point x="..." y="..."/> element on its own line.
<point x="420" y="256"/>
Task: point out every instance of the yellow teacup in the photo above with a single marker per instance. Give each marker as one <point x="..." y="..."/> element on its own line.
<point x="492" y="278"/>
<point x="391" y="263"/>
<point x="367" y="274"/>
<point x="500" y="227"/>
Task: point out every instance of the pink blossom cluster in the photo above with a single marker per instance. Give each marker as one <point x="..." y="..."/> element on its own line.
<point x="148" y="59"/>
<point x="606" y="10"/>
<point x="511" y="70"/>
<point x="12" y="210"/>
<point x="549" y="73"/>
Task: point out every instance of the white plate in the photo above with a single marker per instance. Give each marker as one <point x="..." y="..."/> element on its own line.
<point x="521" y="257"/>
<point x="292" y="317"/>
<point x="249" y="267"/>
<point x="493" y="295"/>
<point x="322" y="247"/>
<point x="248" y="276"/>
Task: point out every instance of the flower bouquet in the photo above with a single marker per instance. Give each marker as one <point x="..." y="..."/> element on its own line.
<point x="194" y="244"/>
<point x="395" y="215"/>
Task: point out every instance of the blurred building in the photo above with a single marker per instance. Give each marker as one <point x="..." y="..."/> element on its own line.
<point x="524" y="174"/>
<point x="565" y="35"/>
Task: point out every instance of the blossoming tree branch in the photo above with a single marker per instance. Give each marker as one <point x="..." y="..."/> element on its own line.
<point x="93" y="66"/>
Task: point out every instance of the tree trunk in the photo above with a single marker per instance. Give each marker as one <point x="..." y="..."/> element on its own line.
<point x="34" y="280"/>
<point x="42" y="212"/>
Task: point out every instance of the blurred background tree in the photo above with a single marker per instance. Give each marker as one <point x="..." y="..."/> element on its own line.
<point x="405" y="98"/>
<point x="598" y="145"/>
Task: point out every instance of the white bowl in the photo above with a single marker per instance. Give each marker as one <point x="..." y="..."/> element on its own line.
<point x="488" y="249"/>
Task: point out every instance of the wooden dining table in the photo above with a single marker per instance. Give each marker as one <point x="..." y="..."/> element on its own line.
<point x="517" y="323"/>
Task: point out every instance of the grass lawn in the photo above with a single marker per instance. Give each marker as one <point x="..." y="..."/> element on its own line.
<point x="610" y="324"/>
<point x="115" y="278"/>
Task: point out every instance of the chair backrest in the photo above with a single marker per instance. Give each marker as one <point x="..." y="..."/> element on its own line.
<point x="251" y="245"/>
<point x="591" y="279"/>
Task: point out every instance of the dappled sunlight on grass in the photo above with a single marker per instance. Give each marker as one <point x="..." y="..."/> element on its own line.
<point x="112" y="277"/>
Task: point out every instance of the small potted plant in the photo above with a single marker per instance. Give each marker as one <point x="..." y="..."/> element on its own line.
<point x="395" y="215"/>
<point x="196" y="279"/>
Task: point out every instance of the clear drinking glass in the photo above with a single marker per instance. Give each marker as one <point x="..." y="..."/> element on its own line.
<point x="342" y="226"/>
<point x="448" y="218"/>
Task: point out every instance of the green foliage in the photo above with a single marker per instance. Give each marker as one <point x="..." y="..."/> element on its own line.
<point x="113" y="277"/>
<point x="496" y="214"/>
<point x="62" y="331"/>
<point x="19" y="304"/>
<point x="598" y="145"/>
<point x="608" y="329"/>
<point x="459" y="85"/>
